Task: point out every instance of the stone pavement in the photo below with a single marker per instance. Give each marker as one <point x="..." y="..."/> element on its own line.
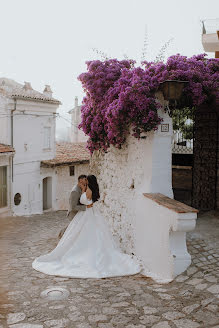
<point x="188" y="302"/>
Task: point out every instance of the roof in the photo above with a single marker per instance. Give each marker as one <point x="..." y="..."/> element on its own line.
<point x="68" y="153"/>
<point x="6" y="149"/>
<point x="13" y="89"/>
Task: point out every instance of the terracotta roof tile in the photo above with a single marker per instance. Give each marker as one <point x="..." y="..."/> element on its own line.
<point x="68" y="153"/>
<point x="13" y="89"/>
<point x="32" y="95"/>
<point x="6" y="149"/>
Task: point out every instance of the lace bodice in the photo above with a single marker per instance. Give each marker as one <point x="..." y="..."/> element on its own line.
<point x="84" y="200"/>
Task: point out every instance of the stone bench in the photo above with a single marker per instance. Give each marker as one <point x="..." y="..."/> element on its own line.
<point x="160" y="235"/>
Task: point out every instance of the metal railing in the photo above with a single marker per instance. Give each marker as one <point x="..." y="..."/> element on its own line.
<point x="183" y="125"/>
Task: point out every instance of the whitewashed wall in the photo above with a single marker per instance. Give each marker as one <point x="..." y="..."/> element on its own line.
<point x="28" y="136"/>
<point x="27" y="183"/>
<point x="124" y="174"/>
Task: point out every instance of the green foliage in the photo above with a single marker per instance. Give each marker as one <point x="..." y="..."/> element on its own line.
<point x="180" y="122"/>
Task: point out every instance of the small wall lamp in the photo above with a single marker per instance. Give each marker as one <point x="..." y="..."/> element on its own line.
<point x="172" y="91"/>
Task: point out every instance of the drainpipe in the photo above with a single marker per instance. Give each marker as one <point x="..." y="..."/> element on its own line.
<point x="12" y="137"/>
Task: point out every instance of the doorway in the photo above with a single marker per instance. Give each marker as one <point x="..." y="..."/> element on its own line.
<point x="195" y="156"/>
<point x="47" y="193"/>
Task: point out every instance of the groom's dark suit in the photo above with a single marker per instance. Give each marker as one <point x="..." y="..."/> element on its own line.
<point x="74" y="205"/>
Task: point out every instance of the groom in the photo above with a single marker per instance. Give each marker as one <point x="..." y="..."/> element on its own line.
<point x="74" y="200"/>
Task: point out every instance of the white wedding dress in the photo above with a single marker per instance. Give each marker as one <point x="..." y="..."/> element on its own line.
<point x="87" y="250"/>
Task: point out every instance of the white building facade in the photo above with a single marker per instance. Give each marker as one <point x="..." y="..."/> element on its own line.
<point x="76" y="135"/>
<point x="72" y="160"/>
<point x="6" y="156"/>
<point x="27" y="124"/>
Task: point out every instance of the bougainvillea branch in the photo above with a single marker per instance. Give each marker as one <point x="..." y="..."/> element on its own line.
<point x="120" y="95"/>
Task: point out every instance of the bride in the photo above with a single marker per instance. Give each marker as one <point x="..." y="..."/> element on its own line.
<point x="87" y="248"/>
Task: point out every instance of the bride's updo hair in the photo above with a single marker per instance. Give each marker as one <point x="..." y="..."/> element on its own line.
<point x="94" y="187"/>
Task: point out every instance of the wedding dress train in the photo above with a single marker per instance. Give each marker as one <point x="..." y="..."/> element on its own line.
<point x="87" y="250"/>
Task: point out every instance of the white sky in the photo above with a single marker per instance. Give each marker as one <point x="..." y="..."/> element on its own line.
<point x="48" y="41"/>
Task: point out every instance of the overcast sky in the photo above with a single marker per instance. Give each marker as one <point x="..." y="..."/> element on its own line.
<point x="48" y="41"/>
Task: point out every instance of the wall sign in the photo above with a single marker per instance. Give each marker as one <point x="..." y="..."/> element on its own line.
<point x="164" y="127"/>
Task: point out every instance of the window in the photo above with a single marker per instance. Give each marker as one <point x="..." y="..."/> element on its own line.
<point x="3" y="186"/>
<point x="72" y="170"/>
<point x="47" y="138"/>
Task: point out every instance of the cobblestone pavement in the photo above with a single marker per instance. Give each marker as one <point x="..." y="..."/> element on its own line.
<point x="191" y="300"/>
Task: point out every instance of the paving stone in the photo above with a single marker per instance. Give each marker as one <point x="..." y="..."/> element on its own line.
<point x="57" y="307"/>
<point x="97" y="317"/>
<point x="208" y="318"/>
<point x="132" y="310"/>
<point x="211" y="278"/>
<point x="76" y="316"/>
<point x="191" y="270"/>
<point x="186" y="323"/>
<point x="212" y="307"/>
<point x="201" y="286"/>
<point x="25" y="325"/>
<point x="188" y="309"/>
<point x="149" y="310"/>
<point x="120" y="319"/>
<point x="181" y="278"/>
<point x="110" y="310"/>
<point x="83" y="325"/>
<point x="166" y="296"/>
<point x="172" y="315"/>
<point x="162" y="324"/>
<point x="194" y="281"/>
<point x="214" y="289"/>
<point x="149" y="319"/>
<point x="207" y="301"/>
<point x="15" y="317"/>
<point x="121" y="302"/>
<point x="59" y="323"/>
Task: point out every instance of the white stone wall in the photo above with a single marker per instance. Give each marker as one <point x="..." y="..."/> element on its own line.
<point x="124" y="174"/>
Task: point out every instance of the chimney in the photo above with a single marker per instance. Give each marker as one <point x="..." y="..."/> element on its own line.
<point x="27" y="86"/>
<point x="47" y="91"/>
<point x="76" y="101"/>
<point x="3" y="86"/>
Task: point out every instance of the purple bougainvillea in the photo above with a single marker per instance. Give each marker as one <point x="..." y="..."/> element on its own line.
<point x="120" y="95"/>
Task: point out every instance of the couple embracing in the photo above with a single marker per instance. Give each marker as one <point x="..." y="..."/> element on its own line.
<point x="86" y="248"/>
